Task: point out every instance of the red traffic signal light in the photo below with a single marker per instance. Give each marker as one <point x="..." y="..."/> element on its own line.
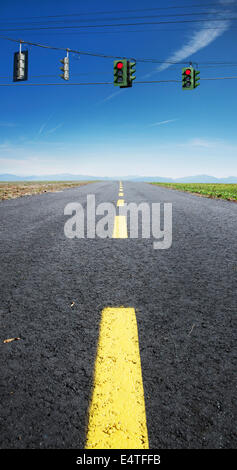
<point x="121" y="73"/>
<point x="188" y="78"/>
<point x="119" y="65"/>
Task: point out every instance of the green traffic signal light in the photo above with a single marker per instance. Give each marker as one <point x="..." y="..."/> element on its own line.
<point x="121" y="73"/>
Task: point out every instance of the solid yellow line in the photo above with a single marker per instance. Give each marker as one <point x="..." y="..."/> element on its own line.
<point x="120" y="202"/>
<point x="117" y="415"/>
<point x="120" y="227"/>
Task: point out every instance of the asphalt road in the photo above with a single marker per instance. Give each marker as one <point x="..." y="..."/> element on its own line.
<point x="185" y="303"/>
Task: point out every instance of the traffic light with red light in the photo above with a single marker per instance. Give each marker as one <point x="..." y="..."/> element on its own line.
<point x="190" y="78"/>
<point x="121" y="73"/>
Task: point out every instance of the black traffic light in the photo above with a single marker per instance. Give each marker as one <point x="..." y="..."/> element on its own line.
<point x="20" y="69"/>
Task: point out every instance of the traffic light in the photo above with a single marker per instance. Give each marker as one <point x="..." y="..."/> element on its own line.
<point x="20" y="69"/>
<point x="65" y="68"/>
<point x="196" y="78"/>
<point x="188" y="78"/>
<point x="121" y="73"/>
<point x="131" y="71"/>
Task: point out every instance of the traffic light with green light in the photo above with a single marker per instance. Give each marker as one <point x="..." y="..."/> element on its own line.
<point x="121" y="73"/>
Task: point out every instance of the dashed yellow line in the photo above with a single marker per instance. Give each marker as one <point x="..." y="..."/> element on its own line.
<point x="120" y="227"/>
<point x="117" y="416"/>
<point x="121" y="194"/>
<point x="120" y="202"/>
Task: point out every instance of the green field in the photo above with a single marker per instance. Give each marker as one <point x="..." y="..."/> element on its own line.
<point x="217" y="191"/>
<point x="12" y="190"/>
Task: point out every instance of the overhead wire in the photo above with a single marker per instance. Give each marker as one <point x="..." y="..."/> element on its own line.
<point x="74" y="51"/>
<point x="147" y="31"/>
<point x="118" y="18"/>
<point x="203" y="5"/>
<point x="108" y="83"/>
<point x="119" y="24"/>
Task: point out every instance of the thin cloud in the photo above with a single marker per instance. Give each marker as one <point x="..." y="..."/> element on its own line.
<point x="42" y="127"/>
<point x="160" y="123"/>
<point x="205" y="143"/>
<point x="111" y="96"/>
<point x="51" y="131"/>
<point x="200" y="39"/>
<point x="7" y="124"/>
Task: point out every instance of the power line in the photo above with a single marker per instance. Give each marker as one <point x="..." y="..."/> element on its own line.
<point x="74" y="51"/>
<point x="119" y="24"/>
<point x="147" y="31"/>
<point x="179" y="81"/>
<point x="115" y="18"/>
<point x="207" y="5"/>
<point x="108" y="83"/>
<point x="108" y="72"/>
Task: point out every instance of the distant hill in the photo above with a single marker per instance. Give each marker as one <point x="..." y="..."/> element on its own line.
<point x="159" y="179"/>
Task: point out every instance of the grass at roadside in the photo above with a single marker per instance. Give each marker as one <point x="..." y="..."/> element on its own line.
<point x="12" y="190"/>
<point x="217" y="191"/>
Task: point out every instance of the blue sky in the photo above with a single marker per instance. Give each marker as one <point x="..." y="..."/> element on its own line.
<point x="149" y="129"/>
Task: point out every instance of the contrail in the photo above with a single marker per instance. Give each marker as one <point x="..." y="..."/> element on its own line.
<point x="199" y="40"/>
<point x="162" y="122"/>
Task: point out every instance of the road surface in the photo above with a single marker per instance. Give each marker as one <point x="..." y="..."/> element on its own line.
<point x="54" y="290"/>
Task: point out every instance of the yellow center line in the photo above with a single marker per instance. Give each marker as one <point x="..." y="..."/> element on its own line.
<point x="117" y="415"/>
<point x="121" y="194"/>
<point x="120" y="202"/>
<point x="120" y="227"/>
